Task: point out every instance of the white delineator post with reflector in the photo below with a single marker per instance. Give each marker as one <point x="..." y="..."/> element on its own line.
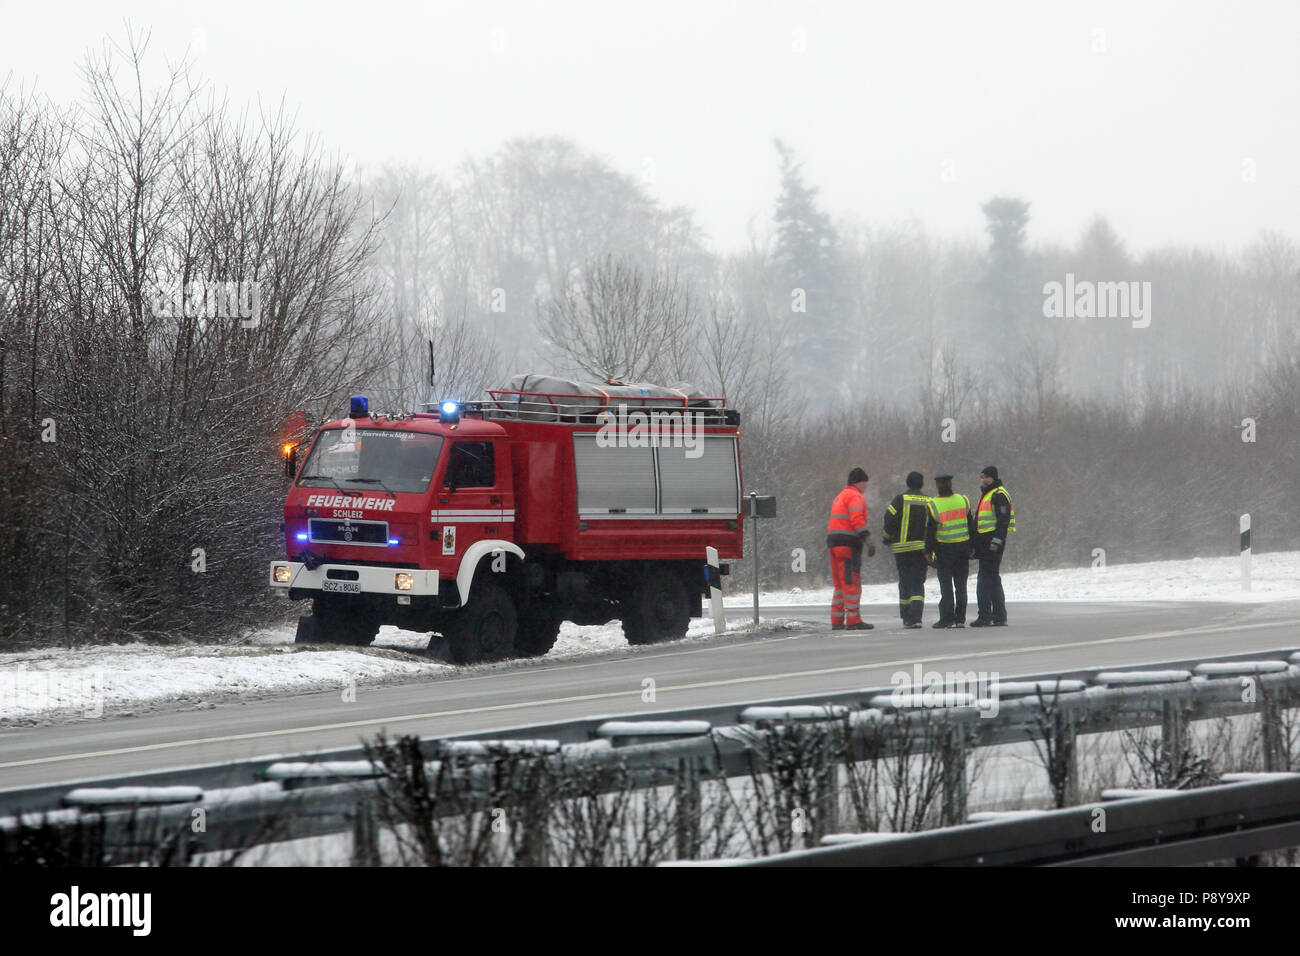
<point x="753" y="513"/>
<point x="715" y="590"/>
<point x="1245" y="552"/>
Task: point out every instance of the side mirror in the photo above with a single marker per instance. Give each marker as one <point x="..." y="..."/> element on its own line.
<point x="291" y="461"/>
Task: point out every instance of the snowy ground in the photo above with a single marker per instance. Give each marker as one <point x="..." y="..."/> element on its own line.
<point x="52" y="683"/>
<point x="124" y="680"/>
<point x="1274" y="577"/>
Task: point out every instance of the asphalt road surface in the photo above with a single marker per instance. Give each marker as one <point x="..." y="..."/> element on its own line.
<point x="1042" y="637"/>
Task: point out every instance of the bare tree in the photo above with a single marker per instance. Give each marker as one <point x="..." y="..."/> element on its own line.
<point x="150" y="419"/>
<point x="618" y="323"/>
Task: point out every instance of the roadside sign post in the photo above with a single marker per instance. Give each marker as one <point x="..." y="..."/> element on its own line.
<point x="758" y="506"/>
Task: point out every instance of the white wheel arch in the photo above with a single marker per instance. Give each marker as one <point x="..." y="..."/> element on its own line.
<point x="473" y="555"/>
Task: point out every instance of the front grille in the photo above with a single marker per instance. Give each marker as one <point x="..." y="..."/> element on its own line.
<point x="343" y="531"/>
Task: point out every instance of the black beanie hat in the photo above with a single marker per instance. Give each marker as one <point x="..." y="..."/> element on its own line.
<point x="915" y="479"/>
<point x="856" y="475"/>
<point x="991" y="472"/>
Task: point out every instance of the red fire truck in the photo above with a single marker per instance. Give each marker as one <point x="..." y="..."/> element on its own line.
<point x="491" y="522"/>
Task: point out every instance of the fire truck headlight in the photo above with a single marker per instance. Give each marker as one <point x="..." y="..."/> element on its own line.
<point x="403" y="581"/>
<point x="280" y="574"/>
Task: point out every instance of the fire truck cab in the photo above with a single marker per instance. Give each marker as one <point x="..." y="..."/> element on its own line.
<point x="490" y="523"/>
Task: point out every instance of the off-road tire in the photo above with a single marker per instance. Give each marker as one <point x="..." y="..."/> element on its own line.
<point x="334" y="622"/>
<point x="539" y="628"/>
<point x="657" y="610"/>
<point x="485" y="629"/>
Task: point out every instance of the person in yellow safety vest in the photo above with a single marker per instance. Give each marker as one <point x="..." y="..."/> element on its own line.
<point x="846" y="534"/>
<point x="995" y="518"/>
<point x="906" y="522"/>
<point x="951" y="542"/>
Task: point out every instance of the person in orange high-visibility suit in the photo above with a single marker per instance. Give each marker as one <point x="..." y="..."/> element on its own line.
<point x="846" y="535"/>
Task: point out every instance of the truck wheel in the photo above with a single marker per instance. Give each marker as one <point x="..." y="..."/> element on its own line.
<point x="485" y="629"/>
<point x="657" y="610"/>
<point x="308" y="630"/>
<point x="336" y="623"/>
<point x="538" y="631"/>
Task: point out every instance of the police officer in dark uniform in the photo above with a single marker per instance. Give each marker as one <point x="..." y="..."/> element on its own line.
<point x="950" y="542"/>
<point x="995" y="518"/>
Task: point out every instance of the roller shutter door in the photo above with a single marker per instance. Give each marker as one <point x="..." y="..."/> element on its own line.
<point x="707" y="484"/>
<point x="613" y="480"/>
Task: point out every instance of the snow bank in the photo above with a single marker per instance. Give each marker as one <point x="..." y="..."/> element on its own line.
<point x="121" y="680"/>
<point x="1275" y="576"/>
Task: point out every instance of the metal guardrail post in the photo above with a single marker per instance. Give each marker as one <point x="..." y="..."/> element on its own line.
<point x="953" y="757"/>
<point x="1273" y="739"/>
<point x="1173" y="732"/>
<point x="686" y="794"/>
<point x="1068" y="739"/>
<point x="1062" y="757"/>
<point x="365" y="836"/>
<point x="532" y="849"/>
<point x="828" y="790"/>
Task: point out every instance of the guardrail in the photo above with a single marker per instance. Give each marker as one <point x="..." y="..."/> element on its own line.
<point x="1238" y="819"/>
<point x="334" y="791"/>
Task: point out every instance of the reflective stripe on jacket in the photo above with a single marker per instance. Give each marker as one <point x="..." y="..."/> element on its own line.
<point x="986" y="519"/>
<point x="951" y="515"/>
<point x="848" y="522"/>
<point x="906" y="522"/>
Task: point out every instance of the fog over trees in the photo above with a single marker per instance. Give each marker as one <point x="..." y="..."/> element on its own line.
<point x="138" y="435"/>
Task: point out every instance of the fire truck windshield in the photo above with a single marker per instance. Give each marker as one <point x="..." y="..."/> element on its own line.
<point x="392" y="460"/>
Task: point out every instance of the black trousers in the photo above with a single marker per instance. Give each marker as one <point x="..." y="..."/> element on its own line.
<point x="911" y="585"/>
<point x="988" y="586"/>
<point x="952" y="567"/>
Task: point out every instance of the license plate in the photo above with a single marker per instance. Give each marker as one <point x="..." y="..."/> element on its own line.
<point x="343" y="587"/>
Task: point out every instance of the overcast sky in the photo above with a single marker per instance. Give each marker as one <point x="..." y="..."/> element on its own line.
<point x="1157" y="115"/>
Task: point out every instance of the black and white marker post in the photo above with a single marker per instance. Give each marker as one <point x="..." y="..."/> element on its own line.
<point x="714" y="572"/>
<point x="1245" y="552"/>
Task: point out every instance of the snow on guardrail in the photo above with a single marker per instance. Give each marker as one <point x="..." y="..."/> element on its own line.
<point x="1139" y="678"/>
<point x="131" y="796"/>
<point x="1237" y="668"/>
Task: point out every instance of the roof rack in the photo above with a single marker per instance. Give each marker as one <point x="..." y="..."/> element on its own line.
<point x="555" y="407"/>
